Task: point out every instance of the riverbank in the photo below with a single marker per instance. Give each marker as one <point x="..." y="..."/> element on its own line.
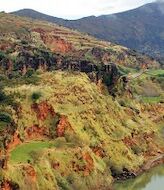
<point x="153" y="162"/>
<point x="150" y="180"/>
<point x="157" y="160"/>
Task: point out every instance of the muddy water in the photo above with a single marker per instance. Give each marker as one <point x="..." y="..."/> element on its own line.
<point x="150" y="180"/>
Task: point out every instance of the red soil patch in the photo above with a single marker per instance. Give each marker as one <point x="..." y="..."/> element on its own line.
<point x="36" y="132"/>
<point x="136" y="139"/>
<point x="152" y="149"/>
<point x="6" y="186"/>
<point x="14" y="141"/>
<point x="30" y="172"/>
<point x="43" y="110"/>
<point x="99" y="151"/>
<point x="58" y="45"/>
<point x="55" y="43"/>
<point x="89" y="164"/>
<point x="5" y="45"/>
<point x="63" y="126"/>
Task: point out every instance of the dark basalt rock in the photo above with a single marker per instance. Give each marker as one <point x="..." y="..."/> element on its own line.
<point x="34" y="58"/>
<point x="124" y="175"/>
<point x="3" y="163"/>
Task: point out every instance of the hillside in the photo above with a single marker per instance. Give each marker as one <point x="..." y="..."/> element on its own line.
<point x="75" y="112"/>
<point x="21" y="34"/>
<point x="69" y="135"/>
<point x="141" y="29"/>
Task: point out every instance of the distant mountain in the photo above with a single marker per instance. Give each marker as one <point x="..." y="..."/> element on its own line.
<point x="37" y="15"/>
<point x="141" y="29"/>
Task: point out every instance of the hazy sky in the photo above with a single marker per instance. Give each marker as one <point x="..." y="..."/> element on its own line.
<point x="72" y="9"/>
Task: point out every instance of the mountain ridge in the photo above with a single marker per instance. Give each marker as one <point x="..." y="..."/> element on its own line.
<point x="141" y="29"/>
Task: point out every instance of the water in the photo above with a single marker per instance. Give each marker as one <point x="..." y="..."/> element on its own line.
<point x="150" y="180"/>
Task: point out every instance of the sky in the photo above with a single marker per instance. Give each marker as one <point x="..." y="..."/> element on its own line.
<point x="72" y="9"/>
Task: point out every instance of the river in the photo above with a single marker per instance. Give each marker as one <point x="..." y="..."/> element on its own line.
<point x="150" y="180"/>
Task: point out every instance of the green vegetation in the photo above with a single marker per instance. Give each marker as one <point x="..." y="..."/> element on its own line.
<point x="35" y="96"/>
<point x="66" y="129"/>
<point x="150" y="100"/>
<point x="96" y="120"/>
<point x="156" y="72"/>
<point x="5" y="117"/>
<point x="126" y="70"/>
<point x="25" y="152"/>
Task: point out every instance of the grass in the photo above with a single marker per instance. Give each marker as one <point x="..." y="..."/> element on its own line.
<point x="126" y="70"/>
<point x="150" y="100"/>
<point x="22" y="153"/>
<point x="96" y="120"/>
<point x="156" y="72"/>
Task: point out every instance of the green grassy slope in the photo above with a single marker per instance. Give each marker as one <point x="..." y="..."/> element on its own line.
<point x="105" y="135"/>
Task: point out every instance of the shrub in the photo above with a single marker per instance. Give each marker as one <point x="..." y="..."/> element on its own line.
<point x="3" y="77"/>
<point x="33" y="79"/>
<point x="122" y="103"/>
<point x="137" y="149"/>
<point x="6" y="99"/>
<point x="24" y="42"/>
<point x="107" y="79"/>
<point x="35" y="96"/>
<point x="2" y="55"/>
<point x="14" y="75"/>
<point x="116" y="170"/>
<point x="2" y="96"/>
<point x="5" y="117"/>
<point x="30" y="72"/>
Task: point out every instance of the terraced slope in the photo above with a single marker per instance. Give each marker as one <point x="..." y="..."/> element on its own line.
<point x="21" y="34"/>
<point x="141" y="29"/>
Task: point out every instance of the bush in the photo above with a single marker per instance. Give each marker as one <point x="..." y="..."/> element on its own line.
<point x="24" y="42"/>
<point x="5" y="117"/>
<point x="6" y="99"/>
<point x="3" y="77"/>
<point x="122" y="103"/>
<point x="116" y="170"/>
<point x="30" y="72"/>
<point x="14" y="75"/>
<point x="33" y="79"/>
<point x="2" y="96"/>
<point x="2" y="55"/>
<point x="35" y="96"/>
<point x="107" y="79"/>
<point x="137" y="149"/>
